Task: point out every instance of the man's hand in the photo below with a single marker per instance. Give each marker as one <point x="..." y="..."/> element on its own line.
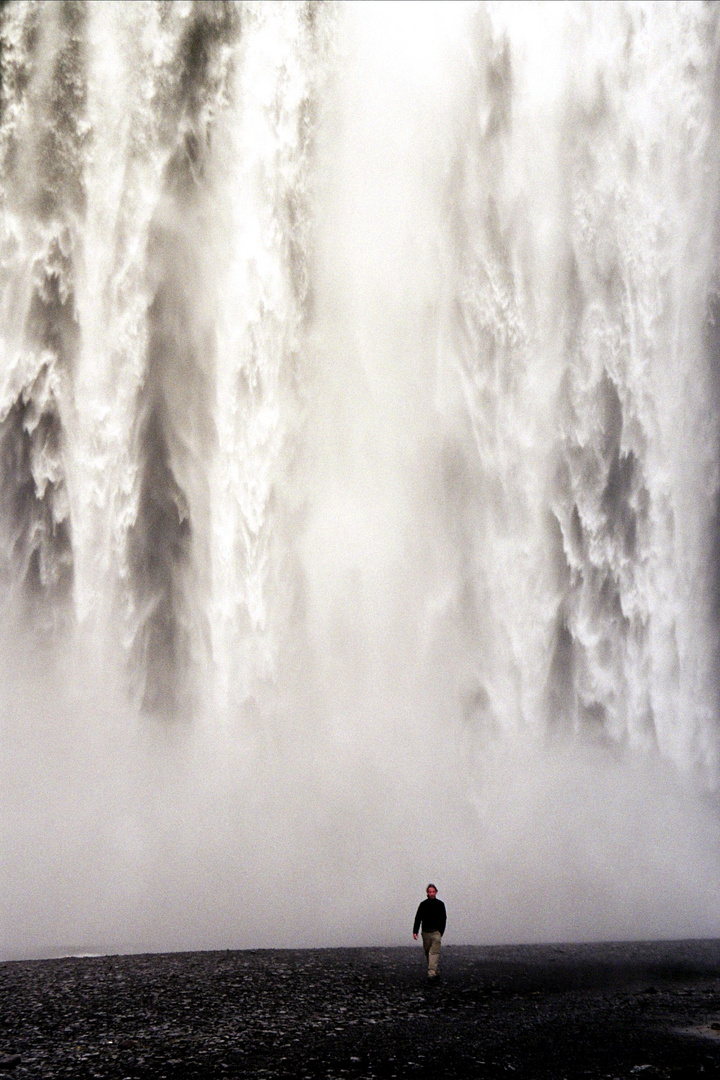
<point x="415" y="936"/>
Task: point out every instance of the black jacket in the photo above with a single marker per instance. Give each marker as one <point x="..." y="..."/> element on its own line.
<point x="431" y="915"/>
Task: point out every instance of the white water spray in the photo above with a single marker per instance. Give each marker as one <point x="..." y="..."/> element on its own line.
<point x="358" y="505"/>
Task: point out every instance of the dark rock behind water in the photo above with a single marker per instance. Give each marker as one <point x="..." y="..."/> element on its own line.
<point x="611" y="1010"/>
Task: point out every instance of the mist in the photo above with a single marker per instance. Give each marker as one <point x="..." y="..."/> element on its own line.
<point x="359" y="473"/>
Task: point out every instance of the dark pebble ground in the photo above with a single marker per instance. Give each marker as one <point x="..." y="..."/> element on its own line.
<point x="645" y="1010"/>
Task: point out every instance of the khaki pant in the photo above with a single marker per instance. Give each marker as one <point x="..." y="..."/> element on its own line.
<point x="431" y="944"/>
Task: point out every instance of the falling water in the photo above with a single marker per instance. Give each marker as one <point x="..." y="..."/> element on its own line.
<point x="359" y="472"/>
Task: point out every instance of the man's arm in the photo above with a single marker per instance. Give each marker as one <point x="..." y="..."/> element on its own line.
<point x="418" y="920"/>
<point x="443" y="920"/>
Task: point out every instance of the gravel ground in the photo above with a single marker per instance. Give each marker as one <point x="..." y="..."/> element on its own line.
<point x="649" y="1009"/>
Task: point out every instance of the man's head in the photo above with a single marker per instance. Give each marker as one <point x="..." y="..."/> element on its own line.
<point x="431" y="891"/>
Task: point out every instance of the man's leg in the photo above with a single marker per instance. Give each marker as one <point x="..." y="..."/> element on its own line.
<point x="431" y="945"/>
<point x="426" y="940"/>
<point x="434" y="954"/>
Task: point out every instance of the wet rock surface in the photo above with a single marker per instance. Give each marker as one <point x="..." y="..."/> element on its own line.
<point x="612" y="1010"/>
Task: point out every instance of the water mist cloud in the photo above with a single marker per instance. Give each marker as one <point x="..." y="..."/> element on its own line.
<point x="386" y="556"/>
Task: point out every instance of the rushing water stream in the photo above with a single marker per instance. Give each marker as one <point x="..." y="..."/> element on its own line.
<point x="359" y="470"/>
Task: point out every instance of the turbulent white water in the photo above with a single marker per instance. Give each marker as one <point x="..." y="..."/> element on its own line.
<point x="359" y="433"/>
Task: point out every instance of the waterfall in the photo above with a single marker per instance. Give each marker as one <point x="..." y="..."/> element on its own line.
<point x="360" y="468"/>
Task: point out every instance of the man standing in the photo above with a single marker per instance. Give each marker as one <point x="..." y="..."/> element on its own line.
<point x="432" y="917"/>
